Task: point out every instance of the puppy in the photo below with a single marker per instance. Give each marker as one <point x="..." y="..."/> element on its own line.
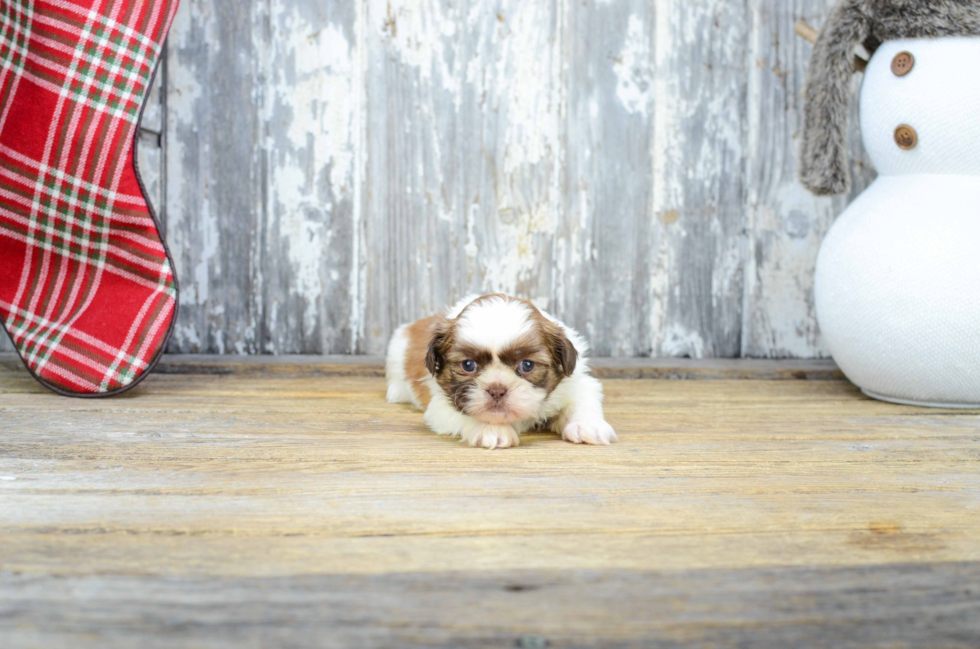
<point x="493" y="367"/>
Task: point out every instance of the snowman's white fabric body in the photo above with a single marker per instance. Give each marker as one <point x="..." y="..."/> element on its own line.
<point x="898" y="276"/>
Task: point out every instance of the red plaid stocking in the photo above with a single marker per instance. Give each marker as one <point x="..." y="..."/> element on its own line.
<point x="87" y="291"/>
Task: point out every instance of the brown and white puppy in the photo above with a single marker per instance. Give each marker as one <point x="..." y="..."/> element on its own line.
<point x="493" y="367"/>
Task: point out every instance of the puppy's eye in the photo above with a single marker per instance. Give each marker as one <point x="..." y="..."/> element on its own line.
<point x="527" y="366"/>
<point x="468" y="366"/>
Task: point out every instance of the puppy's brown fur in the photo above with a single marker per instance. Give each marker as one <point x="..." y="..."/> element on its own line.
<point x="526" y="374"/>
<point x="420" y="333"/>
<point x="433" y="349"/>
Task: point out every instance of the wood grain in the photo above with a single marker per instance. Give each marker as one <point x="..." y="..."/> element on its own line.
<point x="698" y="181"/>
<point x="602" y="247"/>
<point x="213" y="510"/>
<point x="806" y="463"/>
<point x="606" y="368"/>
<point x="771" y="510"/>
<point x="260" y="180"/>
<point x="463" y="130"/>
<point x="333" y="169"/>
<point x="891" y="605"/>
<point x="214" y="172"/>
<point x="328" y="170"/>
<point x="785" y="222"/>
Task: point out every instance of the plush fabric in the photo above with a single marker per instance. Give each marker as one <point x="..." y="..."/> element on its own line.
<point x="823" y="167"/>
<point x="936" y="98"/>
<point x="897" y="283"/>
<point x="897" y="289"/>
<point x="87" y="291"/>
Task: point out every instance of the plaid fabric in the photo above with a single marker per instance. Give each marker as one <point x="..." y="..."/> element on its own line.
<point x="87" y="292"/>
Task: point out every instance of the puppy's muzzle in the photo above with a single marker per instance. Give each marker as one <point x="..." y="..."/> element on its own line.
<point x="497" y="392"/>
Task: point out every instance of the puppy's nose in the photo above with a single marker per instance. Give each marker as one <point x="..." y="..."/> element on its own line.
<point x="497" y="392"/>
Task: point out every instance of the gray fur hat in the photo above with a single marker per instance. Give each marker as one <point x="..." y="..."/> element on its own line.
<point x="823" y="154"/>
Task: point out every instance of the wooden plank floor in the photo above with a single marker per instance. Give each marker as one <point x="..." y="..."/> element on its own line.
<point x="295" y="509"/>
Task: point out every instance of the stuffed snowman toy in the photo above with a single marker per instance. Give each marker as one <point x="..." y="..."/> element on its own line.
<point x="898" y="276"/>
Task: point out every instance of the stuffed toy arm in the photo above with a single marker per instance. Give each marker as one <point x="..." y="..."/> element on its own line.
<point x="823" y="167"/>
<point x="823" y="155"/>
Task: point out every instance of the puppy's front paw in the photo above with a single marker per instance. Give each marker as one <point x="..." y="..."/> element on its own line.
<point x="593" y="431"/>
<point x="489" y="436"/>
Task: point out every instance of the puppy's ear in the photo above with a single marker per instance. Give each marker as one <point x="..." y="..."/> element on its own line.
<point x="435" y="355"/>
<point x="563" y="351"/>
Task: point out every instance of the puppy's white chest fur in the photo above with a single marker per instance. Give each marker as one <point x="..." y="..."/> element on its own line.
<point x="492" y="367"/>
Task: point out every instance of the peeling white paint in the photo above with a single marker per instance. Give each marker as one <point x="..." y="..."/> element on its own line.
<point x="531" y="108"/>
<point x="358" y="271"/>
<point x="786" y="223"/>
<point x="681" y="342"/>
<point x="633" y="68"/>
<point x="664" y="126"/>
<point x="519" y="234"/>
<point x="194" y="234"/>
<point x="310" y="103"/>
<point x="454" y="119"/>
<point x="207" y="248"/>
<point x="783" y="313"/>
<point x="418" y="37"/>
<point x="188" y="335"/>
<point x="471" y="248"/>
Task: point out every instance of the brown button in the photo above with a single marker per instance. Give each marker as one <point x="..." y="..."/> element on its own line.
<point x="902" y="64"/>
<point x="905" y="137"/>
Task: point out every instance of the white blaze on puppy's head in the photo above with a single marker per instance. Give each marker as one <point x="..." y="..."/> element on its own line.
<point x="499" y="358"/>
<point x="493" y="322"/>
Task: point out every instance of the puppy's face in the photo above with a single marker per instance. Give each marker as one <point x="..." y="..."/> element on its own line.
<point x="500" y="359"/>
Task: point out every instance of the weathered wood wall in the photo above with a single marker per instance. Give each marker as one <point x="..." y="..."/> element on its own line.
<point x="327" y="169"/>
